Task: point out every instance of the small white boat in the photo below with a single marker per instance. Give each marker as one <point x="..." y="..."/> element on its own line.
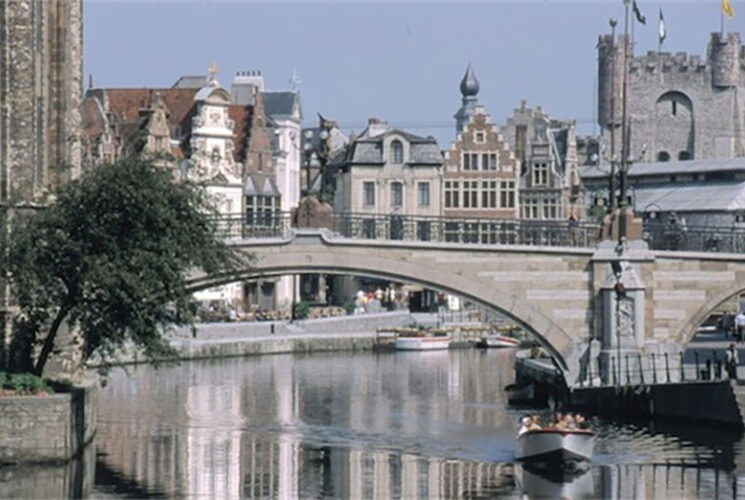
<point x="422" y="342"/>
<point x="498" y="340"/>
<point x="555" y="445"/>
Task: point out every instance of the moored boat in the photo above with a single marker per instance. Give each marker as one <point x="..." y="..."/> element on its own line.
<point x="422" y="342"/>
<point x="498" y="340"/>
<point x="555" y="445"/>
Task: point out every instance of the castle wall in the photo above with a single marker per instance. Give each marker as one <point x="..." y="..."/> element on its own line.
<point x="678" y="103"/>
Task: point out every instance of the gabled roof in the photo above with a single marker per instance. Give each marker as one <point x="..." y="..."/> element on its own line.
<point x="261" y="185"/>
<point x="369" y="150"/>
<point x="281" y="103"/>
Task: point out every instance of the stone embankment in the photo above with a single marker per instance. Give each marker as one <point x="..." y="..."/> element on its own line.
<point x="220" y="340"/>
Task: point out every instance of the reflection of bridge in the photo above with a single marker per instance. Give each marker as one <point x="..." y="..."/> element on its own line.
<point x="562" y="294"/>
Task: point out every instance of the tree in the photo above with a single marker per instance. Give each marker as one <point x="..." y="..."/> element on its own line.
<point x="110" y="258"/>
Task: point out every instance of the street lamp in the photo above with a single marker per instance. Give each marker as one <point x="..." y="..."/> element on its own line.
<point x="308" y="150"/>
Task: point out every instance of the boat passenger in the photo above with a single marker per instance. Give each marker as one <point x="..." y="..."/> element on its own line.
<point x="524" y="425"/>
<point x="569" y="422"/>
<point x="535" y="424"/>
<point x="581" y="422"/>
<point x="558" y="421"/>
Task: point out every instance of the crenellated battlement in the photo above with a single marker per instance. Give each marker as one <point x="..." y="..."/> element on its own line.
<point x="679" y="62"/>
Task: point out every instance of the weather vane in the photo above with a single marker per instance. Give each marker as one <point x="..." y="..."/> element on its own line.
<point x="212" y="70"/>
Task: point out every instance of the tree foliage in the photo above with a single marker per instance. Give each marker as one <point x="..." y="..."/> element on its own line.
<point x="110" y="258"/>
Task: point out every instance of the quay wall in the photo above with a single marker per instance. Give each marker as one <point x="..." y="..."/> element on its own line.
<point x="710" y="402"/>
<point x="46" y="429"/>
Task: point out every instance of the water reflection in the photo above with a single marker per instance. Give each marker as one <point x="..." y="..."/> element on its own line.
<point x="432" y="424"/>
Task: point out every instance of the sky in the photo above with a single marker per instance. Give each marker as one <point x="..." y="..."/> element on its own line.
<point x="398" y="61"/>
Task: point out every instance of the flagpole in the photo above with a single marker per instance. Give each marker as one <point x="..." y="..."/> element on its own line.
<point x="721" y="23"/>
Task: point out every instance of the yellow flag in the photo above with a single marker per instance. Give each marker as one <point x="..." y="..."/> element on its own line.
<point x="727" y="9"/>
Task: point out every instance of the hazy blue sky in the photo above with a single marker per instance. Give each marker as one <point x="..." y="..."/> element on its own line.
<point x="401" y="62"/>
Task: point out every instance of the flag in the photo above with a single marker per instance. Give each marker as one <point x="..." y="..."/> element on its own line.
<point x="727" y="9"/>
<point x="638" y="13"/>
<point x="662" y="33"/>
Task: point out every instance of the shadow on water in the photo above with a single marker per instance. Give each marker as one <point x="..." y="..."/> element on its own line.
<point x="73" y="479"/>
<point x="115" y="483"/>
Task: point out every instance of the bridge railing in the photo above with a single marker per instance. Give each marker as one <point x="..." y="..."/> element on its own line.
<point x="640" y="370"/>
<point x="421" y="228"/>
<point x="694" y="238"/>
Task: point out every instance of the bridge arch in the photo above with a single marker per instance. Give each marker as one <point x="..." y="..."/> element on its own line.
<point x="322" y="258"/>
<point x="706" y="310"/>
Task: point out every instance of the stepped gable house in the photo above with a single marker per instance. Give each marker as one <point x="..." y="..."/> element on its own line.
<point x="480" y="171"/>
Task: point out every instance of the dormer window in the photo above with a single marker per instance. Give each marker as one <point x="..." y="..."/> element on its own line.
<point x="397" y="152"/>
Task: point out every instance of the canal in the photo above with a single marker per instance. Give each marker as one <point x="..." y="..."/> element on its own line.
<point x="370" y="425"/>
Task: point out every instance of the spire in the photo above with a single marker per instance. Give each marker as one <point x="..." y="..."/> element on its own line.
<point x="469" y="86"/>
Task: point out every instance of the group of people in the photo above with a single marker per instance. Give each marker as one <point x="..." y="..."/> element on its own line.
<point x="565" y="421"/>
<point x="733" y="324"/>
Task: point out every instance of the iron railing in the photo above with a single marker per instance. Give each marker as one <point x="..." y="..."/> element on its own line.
<point x="641" y="370"/>
<point x="583" y="234"/>
<point x="694" y="238"/>
<point x="422" y="229"/>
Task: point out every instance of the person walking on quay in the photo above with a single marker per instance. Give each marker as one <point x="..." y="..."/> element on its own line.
<point x="740" y="326"/>
<point x="731" y="362"/>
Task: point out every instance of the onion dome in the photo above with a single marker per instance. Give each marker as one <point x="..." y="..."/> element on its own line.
<point x="469" y="86"/>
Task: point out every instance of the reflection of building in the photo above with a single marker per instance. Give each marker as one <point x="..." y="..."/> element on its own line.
<point x="681" y="106"/>
<point x="547" y="151"/>
<point x="480" y="171"/>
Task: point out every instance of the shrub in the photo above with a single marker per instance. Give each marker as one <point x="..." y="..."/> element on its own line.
<point x="301" y="310"/>
<point x="24" y="383"/>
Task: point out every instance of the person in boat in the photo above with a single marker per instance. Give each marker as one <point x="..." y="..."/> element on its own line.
<point x="569" y="421"/>
<point x="581" y="421"/>
<point x="535" y="424"/>
<point x="524" y="425"/>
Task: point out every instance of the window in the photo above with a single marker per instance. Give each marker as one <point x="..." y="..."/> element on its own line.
<point x="451" y="231"/>
<point x="396" y="227"/>
<point x="540" y="174"/>
<point x="397" y="194"/>
<point x="369" y="193"/>
<point x="507" y="194"/>
<point x="423" y="193"/>
<point x="663" y="156"/>
<point x="368" y="229"/>
<point x="484" y="194"/>
<point x="675" y="106"/>
<point x="480" y="138"/>
<point x="470" y="194"/>
<point x="423" y="231"/>
<point x="684" y="155"/>
<point x="493" y="161"/>
<point x="452" y="194"/>
<point x="549" y="208"/>
<point x="470" y="161"/>
<point x="397" y="152"/>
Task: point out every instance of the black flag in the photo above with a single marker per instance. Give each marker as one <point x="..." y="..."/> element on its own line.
<point x="638" y="13"/>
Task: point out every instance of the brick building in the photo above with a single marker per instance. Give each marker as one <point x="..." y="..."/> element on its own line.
<point x="480" y="171"/>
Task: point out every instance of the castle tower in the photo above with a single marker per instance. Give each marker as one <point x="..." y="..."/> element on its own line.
<point x="469" y="87"/>
<point x="40" y="96"/>
<point x="679" y="106"/>
<point x="610" y="78"/>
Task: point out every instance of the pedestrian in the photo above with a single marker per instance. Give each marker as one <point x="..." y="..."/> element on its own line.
<point x="740" y="326"/>
<point x="732" y="361"/>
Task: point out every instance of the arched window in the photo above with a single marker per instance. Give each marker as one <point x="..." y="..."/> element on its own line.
<point x="684" y="155"/>
<point x="663" y="156"/>
<point x="397" y="152"/>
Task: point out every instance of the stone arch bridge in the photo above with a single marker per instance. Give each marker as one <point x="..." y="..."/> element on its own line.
<point x="565" y="296"/>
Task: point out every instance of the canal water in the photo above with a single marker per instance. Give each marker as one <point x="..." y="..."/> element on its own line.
<point x="371" y="425"/>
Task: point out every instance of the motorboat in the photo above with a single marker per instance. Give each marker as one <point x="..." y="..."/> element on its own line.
<point x="555" y="445"/>
<point x="421" y="341"/>
<point x="498" y="340"/>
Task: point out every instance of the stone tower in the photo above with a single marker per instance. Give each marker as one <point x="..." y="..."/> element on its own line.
<point x="40" y="95"/>
<point x="41" y="61"/>
<point x="679" y="105"/>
